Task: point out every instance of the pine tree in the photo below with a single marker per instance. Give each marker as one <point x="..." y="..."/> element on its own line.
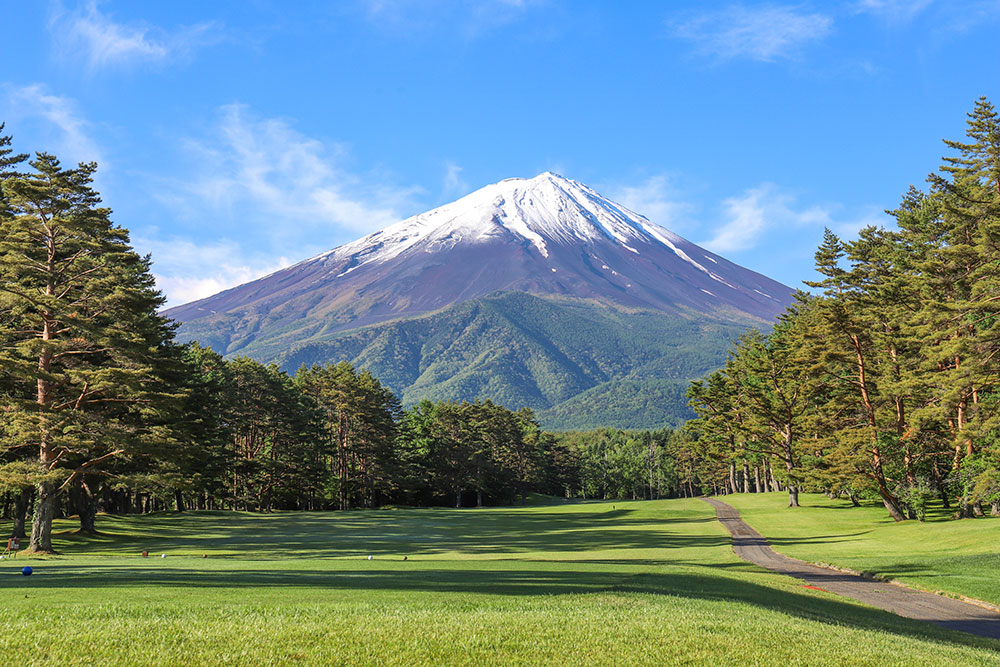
<point x="15" y="469"/>
<point x="360" y="421"/>
<point x="773" y="383"/>
<point x="961" y="311"/>
<point x="82" y="338"/>
<point x="854" y="343"/>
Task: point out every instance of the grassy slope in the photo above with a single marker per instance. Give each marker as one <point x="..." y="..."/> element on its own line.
<point x="959" y="557"/>
<point x="594" y="583"/>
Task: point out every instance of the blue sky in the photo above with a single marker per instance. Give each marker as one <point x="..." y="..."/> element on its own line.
<point x="237" y="137"/>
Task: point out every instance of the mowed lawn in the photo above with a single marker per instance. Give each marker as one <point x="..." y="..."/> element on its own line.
<point x="586" y="583"/>
<point x="959" y="557"/>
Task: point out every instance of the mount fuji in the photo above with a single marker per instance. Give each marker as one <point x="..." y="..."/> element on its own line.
<point x="532" y="292"/>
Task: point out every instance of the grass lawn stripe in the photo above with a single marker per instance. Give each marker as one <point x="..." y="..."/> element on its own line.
<point x="584" y="583"/>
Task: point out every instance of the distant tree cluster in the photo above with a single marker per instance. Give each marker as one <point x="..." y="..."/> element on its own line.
<point x="885" y="385"/>
<point x="609" y="463"/>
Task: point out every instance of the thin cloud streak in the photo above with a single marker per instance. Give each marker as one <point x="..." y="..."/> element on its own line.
<point x="750" y="218"/>
<point x="186" y="271"/>
<point x="764" y="33"/>
<point x="658" y="200"/>
<point x="92" y="36"/>
<point x="280" y="177"/>
<point x="893" y="11"/>
<point x="69" y="133"/>
<point x="267" y="184"/>
<point x="453" y="185"/>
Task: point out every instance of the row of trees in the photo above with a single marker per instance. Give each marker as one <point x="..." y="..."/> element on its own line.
<point x="884" y="384"/>
<point x="100" y="409"/>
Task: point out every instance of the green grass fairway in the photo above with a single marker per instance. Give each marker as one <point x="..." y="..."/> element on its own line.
<point x="960" y="557"/>
<point x="589" y="583"/>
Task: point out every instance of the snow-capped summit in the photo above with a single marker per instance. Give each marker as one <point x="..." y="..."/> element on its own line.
<point x="541" y="210"/>
<point x="545" y="235"/>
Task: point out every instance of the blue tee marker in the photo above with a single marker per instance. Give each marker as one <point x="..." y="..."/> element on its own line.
<point x="26" y="570"/>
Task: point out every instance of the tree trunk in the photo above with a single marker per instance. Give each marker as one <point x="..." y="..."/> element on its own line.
<point x="479" y="497"/>
<point x="746" y="477"/>
<point x="22" y="501"/>
<point x="890" y="504"/>
<point x="793" y="489"/>
<point x="888" y="499"/>
<point x="178" y="501"/>
<point x="45" y="511"/>
<point x="458" y="498"/>
<point x="88" y="518"/>
<point x="940" y="485"/>
<point x="756" y="479"/>
<point x="86" y="504"/>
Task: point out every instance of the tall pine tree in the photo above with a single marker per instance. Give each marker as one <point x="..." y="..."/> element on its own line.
<point x="83" y="340"/>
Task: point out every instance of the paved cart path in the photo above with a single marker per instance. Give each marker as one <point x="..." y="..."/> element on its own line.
<point x="947" y="612"/>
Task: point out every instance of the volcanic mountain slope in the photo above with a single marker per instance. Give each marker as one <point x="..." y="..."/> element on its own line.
<point x="430" y="304"/>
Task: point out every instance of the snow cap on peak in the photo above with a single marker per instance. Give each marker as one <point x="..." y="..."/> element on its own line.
<point x="545" y="211"/>
<point x="545" y="175"/>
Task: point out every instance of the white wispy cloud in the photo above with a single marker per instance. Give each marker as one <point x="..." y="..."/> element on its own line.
<point x="266" y="195"/>
<point x="893" y="11"/>
<point x="453" y="185"/>
<point x="967" y="15"/>
<point x="89" y="34"/>
<point x="186" y="271"/>
<point x="765" y="33"/>
<point x="470" y="19"/>
<point x="657" y="199"/>
<point x="277" y="180"/>
<point x="765" y="210"/>
<point x="64" y="129"/>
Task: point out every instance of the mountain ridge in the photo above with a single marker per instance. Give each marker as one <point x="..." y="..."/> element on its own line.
<point x="569" y="253"/>
<point x="546" y="235"/>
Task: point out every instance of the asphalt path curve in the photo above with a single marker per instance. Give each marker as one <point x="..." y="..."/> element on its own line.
<point x="953" y="614"/>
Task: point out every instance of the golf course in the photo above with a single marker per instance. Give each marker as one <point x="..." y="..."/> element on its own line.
<point x="642" y="582"/>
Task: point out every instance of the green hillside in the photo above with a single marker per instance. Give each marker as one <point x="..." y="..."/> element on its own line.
<point x="578" y="363"/>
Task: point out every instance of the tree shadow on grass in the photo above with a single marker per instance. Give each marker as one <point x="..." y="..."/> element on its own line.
<point x="528" y="581"/>
<point x="344" y="534"/>
<point x="817" y="539"/>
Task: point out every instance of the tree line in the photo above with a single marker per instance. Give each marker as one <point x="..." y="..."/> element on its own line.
<point x="884" y="383"/>
<point x="101" y="410"/>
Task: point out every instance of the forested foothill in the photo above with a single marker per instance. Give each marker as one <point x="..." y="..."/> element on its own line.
<point x="883" y="382"/>
<point x="880" y="384"/>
